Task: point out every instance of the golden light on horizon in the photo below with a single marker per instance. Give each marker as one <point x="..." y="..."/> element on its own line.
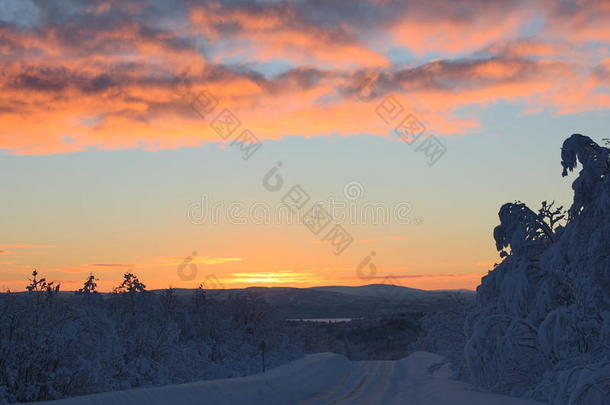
<point x="274" y="277"/>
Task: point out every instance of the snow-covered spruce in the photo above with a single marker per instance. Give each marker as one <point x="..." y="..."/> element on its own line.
<point x="541" y="327"/>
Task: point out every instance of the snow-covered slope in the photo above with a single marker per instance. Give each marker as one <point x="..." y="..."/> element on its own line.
<point x="427" y="381"/>
<point x="326" y="378"/>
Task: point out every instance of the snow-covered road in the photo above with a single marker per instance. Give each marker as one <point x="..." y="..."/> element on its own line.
<point x="325" y="378"/>
<point x="366" y="382"/>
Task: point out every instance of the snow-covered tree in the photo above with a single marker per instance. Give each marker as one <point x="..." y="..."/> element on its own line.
<point x="53" y="347"/>
<point x="525" y="231"/>
<point x="38" y="286"/>
<point x="541" y="326"/>
<point x="595" y="162"/>
<point x="89" y="287"/>
<point x="199" y="297"/>
<point x="131" y="284"/>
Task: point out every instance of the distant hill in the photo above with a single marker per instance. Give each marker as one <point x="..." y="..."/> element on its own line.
<point x="374" y="300"/>
<point x="373" y="290"/>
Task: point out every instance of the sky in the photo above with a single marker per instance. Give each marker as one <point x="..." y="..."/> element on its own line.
<point x="285" y="143"/>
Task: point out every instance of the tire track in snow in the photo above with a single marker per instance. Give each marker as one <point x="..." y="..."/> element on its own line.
<point x="370" y="369"/>
<point x="324" y="395"/>
<point x="373" y="387"/>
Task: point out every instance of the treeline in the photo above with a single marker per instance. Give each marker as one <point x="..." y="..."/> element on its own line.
<point x="361" y="339"/>
<point x="54" y="346"/>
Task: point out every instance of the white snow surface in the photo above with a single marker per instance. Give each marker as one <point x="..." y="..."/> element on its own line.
<point x="325" y="378"/>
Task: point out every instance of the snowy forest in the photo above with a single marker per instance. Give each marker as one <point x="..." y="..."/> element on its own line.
<point x="52" y="346"/>
<point x="539" y="328"/>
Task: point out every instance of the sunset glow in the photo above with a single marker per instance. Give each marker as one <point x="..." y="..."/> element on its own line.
<point x="110" y="135"/>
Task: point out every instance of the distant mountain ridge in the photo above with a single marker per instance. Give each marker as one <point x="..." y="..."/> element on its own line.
<point x="368" y="289"/>
<point x="373" y="290"/>
<point x="373" y="300"/>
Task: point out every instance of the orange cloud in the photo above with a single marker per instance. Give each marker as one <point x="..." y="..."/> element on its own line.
<point x="277" y="31"/>
<point x="107" y="80"/>
<point x="150" y="115"/>
<point x="447" y="27"/>
<point x="29" y="246"/>
<point x="282" y="277"/>
<point x="533" y="48"/>
<point x="581" y="21"/>
<point x="176" y="261"/>
<point x="69" y="270"/>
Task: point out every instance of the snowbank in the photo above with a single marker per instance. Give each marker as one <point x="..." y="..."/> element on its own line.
<point x="325" y="378"/>
<point x="427" y="378"/>
<point x="285" y="384"/>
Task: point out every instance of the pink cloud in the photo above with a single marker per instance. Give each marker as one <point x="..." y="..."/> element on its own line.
<point x="111" y="85"/>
